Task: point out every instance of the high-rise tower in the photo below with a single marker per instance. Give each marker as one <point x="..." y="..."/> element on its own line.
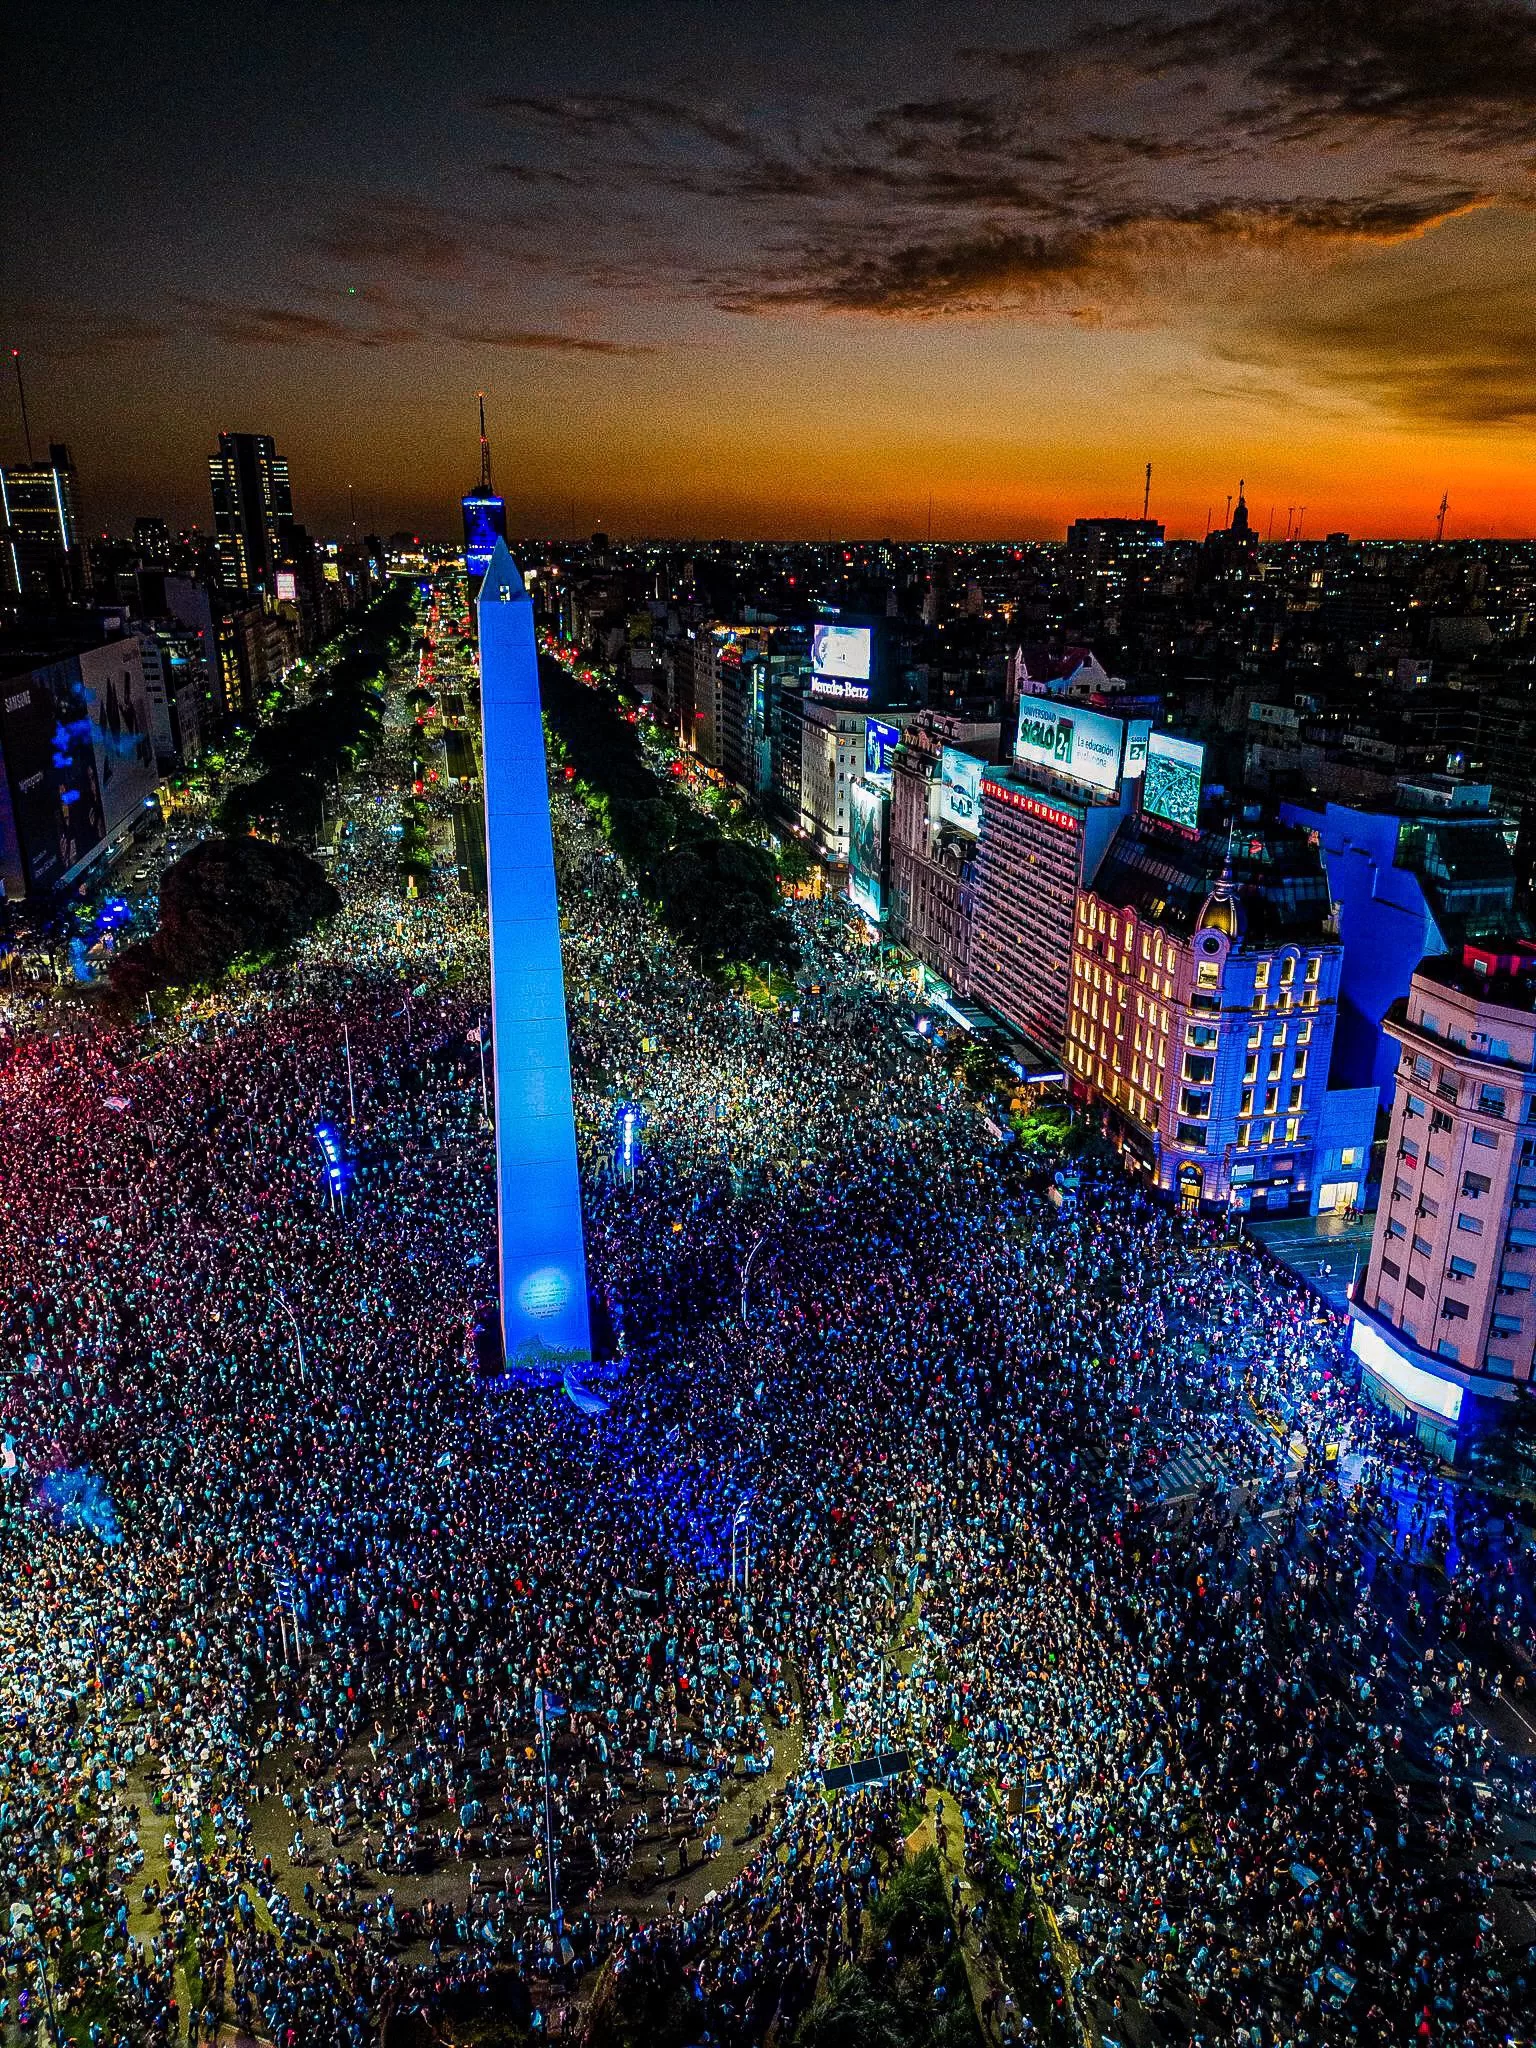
<point x="544" y="1313"/>
<point x="252" y="510"/>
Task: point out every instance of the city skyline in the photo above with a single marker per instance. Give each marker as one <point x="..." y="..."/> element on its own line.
<point x="787" y="282"/>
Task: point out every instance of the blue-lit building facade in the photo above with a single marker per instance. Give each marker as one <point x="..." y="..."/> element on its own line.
<point x="1419" y="876"/>
<point x="1201" y="1020"/>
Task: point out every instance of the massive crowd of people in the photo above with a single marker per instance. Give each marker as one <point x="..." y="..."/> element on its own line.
<point x="335" y="1685"/>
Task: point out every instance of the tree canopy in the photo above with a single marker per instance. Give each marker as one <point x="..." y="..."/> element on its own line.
<point x="227" y="901"/>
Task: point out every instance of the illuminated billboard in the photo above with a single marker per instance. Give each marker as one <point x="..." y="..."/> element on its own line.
<point x="485" y="523"/>
<point x="842" y="652"/>
<point x="1172" y="786"/>
<point x="880" y="744"/>
<point x="960" y="791"/>
<point x="287" y="587"/>
<point x="866" y="848"/>
<point x="1137" y="733"/>
<point x="1083" y="744"/>
<point x="48" y="757"/>
<point x="122" y="739"/>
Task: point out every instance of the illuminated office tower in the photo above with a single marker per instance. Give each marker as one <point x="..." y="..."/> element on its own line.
<point x="252" y="511"/>
<point x="544" y="1314"/>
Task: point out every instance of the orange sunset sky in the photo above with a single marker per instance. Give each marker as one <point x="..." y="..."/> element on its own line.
<point x="780" y="271"/>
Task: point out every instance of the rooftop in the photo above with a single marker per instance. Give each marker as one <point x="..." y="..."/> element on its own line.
<point x="1166" y="876"/>
<point x="1504" y="973"/>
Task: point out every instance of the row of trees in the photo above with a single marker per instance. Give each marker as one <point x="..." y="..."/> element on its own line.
<point x="234" y="903"/>
<point x="717" y="893"/>
<point x="313" y="742"/>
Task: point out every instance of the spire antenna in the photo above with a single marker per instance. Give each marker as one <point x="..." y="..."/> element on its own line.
<point x="1146" y="495"/>
<point x="21" y="393"/>
<point x="485" y="449"/>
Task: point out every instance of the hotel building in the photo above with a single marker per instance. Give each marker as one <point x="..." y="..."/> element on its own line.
<point x="1203" y="993"/>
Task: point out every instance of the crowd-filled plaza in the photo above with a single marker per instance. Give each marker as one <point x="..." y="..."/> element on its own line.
<point x="343" y="1696"/>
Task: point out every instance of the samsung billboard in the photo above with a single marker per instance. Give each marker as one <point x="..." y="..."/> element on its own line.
<point x="1083" y="744"/>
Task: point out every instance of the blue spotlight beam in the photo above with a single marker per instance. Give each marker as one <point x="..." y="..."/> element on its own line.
<point x="544" y="1312"/>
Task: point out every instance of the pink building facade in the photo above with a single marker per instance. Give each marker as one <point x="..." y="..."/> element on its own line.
<point x="1445" y="1314"/>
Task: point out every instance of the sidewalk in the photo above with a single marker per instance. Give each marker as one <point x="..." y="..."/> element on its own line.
<point x="1324" y="1252"/>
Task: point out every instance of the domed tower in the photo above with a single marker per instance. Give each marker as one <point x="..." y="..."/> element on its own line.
<point x="1222" y="910"/>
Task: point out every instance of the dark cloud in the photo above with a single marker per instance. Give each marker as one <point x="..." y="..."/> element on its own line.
<point x="999" y="270"/>
<point x="1463" y="68"/>
<point x="256" y="326"/>
<point x="401" y="233"/>
<point x="540" y="341"/>
<point x="602" y="116"/>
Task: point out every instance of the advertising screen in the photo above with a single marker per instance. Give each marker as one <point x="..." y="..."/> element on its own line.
<point x="287" y="587"/>
<point x="960" y="791"/>
<point x="866" y="834"/>
<point x="45" y="725"/>
<point x="1083" y="744"/>
<point x="1137" y="733"/>
<point x="1172" y="786"/>
<point x="880" y="744"/>
<point x="121" y="733"/>
<point x="485" y="522"/>
<point x="841" y="651"/>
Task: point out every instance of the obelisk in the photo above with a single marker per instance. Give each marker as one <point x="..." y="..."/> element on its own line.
<point x="544" y="1315"/>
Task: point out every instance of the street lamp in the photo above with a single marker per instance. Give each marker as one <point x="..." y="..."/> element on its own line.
<point x="298" y="1336"/>
<point x="746" y="1272"/>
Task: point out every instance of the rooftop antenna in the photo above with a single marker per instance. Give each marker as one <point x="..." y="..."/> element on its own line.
<point x="1146" y="495"/>
<point x="21" y="393"/>
<point x="1207" y="522"/>
<point x="1440" y="522"/>
<point x="352" y="509"/>
<point x="1301" y="513"/>
<point x="1229" y="508"/>
<point x="485" y="449"/>
<point x="1269" y="531"/>
<point x="1290" y="511"/>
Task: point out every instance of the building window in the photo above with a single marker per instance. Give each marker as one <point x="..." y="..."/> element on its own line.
<point x="1463" y="1269"/>
<point x="1350" y="1156"/>
<point x="1452" y="1310"/>
<point x="1261" y="975"/>
<point x="1472" y="1225"/>
<point x="1506" y="1326"/>
<point x="1439" y="1121"/>
<point x="1314" y="967"/>
<point x="1415" y="1106"/>
<point x="1511" y="1282"/>
<point x="1491" y="1101"/>
<point x="1475" y="1184"/>
<point x="1191" y="1134"/>
<point x="1495" y="1363"/>
<point x="1430" y="1022"/>
<point x="1447" y="1349"/>
<point x="1391" y="1268"/>
<point x="1485" y="1138"/>
<point x="1395" y="1228"/>
<point x="1422" y="1246"/>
